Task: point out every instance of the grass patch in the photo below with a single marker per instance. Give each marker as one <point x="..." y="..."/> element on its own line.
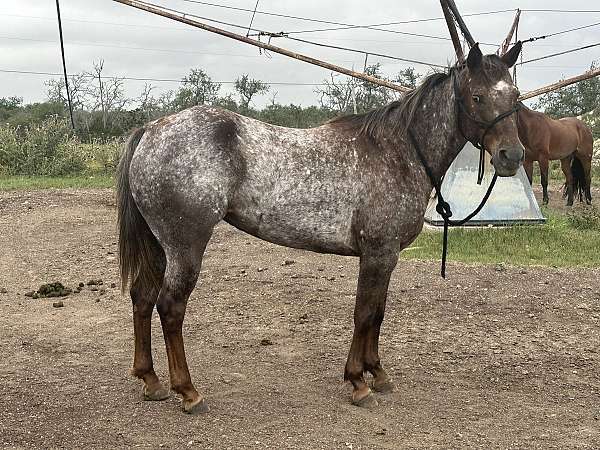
<point x="18" y="182"/>
<point x="561" y="242"/>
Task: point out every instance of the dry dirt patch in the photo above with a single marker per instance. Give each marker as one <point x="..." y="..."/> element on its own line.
<point x="487" y="358"/>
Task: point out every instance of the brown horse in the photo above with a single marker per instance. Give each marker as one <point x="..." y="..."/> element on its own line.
<point x="356" y="186"/>
<point x="568" y="139"/>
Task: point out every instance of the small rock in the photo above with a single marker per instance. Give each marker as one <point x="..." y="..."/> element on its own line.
<point x="303" y="318"/>
<point x="381" y="432"/>
<point x="266" y="341"/>
<point x="500" y="267"/>
<point x="288" y="262"/>
<point x="97" y="300"/>
<point x="261" y="269"/>
<point x="92" y="283"/>
<point x="330" y="278"/>
<point x="294" y="276"/>
<point x="81" y="285"/>
<point x="58" y="304"/>
<point x="522" y="271"/>
<point x="113" y="285"/>
<point x="232" y="378"/>
<point x="29" y="294"/>
<point x="3" y="291"/>
<point x="94" y="288"/>
<point x="447" y="350"/>
<point x="102" y="291"/>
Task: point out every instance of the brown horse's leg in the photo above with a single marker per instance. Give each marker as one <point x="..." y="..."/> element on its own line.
<point x="143" y="299"/>
<point x="586" y="162"/>
<point x="183" y="268"/>
<point x="544" y="163"/>
<point x="373" y="281"/>
<point x="528" y="166"/>
<point x="565" y="165"/>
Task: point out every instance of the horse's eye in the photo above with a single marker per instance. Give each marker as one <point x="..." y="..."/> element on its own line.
<point x="477" y="98"/>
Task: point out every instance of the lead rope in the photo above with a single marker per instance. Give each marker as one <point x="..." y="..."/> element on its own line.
<point x="443" y="207"/>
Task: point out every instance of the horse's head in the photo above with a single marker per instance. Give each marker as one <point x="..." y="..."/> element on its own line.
<point x="488" y="99"/>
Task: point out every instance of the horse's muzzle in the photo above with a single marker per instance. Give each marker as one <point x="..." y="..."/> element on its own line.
<point x="508" y="160"/>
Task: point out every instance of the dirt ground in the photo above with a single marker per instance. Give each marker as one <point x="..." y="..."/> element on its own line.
<point x="492" y="357"/>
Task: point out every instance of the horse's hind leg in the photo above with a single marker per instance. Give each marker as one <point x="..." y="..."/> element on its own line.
<point x="373" y="281"/>
<point x="565" y="165"/>
<point x="544" y="165"/>
<point x="183" y="268"/>
<point x="143" y="299"/>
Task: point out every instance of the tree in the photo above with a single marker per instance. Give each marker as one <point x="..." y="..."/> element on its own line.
<point x="347" y="95"/>
<point x="78" y="86"/>
<point x="107" y="94"/>
<point x="197" y="89"/>
<point x="8" y="107"/>
<point x="248" y="88"/>
<point x="574" y="100"/>
<point x="407" y="77"/>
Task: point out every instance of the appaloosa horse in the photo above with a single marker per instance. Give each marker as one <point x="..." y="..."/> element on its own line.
<point x="568" y="139"/>
<point x="353" y="186"/>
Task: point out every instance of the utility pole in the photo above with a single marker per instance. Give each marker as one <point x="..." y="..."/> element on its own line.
<point x="62" y="50"/>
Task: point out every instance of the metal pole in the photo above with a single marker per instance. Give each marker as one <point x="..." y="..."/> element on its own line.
<point x="62" y="51"/>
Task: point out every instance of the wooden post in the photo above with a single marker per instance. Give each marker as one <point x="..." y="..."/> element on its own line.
<point x="148" y="7"/>
<point x="509" y="36"/>
<point x="453" y="33"/>
<point x="554" y="86"/>
<point x="463" y="27"/>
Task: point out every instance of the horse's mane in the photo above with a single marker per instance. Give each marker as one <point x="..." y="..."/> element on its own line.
<point x="397" y="116"/>
<point x="399" y="113"/>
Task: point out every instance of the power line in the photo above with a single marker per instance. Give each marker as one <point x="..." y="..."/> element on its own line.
<point x="563" y="10"/>
<point x="560" y="53"/>
<point x="329" y="22"/>
<point x="165" y="80"/>
<point x="366" y="53"/>
<point x="266" y="33"/>
<point x="561" y="32"/>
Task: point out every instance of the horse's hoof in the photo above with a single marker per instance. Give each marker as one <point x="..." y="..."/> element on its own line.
<point x="368" y="401"/>
<point x="384" y="387"/>
<point x="157" y="395"/>
<point x="199" y="406"/>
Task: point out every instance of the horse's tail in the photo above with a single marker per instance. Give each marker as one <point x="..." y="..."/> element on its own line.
<point x="578" y="174"/>
<point x="138" y="247"/>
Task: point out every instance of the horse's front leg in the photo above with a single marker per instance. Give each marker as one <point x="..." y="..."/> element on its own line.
<point x="373" y="280"/>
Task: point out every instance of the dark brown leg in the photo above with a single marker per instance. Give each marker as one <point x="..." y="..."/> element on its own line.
<point x="528" y="166"/>
<point x="565" y="165"/>
<point x="143" y="299"/>
<point x="544" y="176"/>
<point x="373" y="281"/>
<point x="182" y="271"/>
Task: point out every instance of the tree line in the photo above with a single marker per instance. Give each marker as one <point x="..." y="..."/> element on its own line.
<point x="102" y="110"/>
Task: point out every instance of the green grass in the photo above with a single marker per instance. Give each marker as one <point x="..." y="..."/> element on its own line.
<point x="16" y="182"/>
<point x="556" y="243"/>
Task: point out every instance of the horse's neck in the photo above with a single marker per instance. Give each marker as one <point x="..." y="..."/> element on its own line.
<point x="435" y="126"/>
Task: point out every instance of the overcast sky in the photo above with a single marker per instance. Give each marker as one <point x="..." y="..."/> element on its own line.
<point x="137" y="44"/>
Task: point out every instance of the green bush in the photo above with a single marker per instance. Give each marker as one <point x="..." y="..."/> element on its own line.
<point x="48" y="148"/>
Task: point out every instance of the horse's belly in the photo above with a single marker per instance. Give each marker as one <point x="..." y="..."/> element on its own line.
<point x="299" y="226"/>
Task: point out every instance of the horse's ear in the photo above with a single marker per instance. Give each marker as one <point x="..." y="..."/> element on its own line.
<point x="510" y="57"/>
<point x="475" y="57"/>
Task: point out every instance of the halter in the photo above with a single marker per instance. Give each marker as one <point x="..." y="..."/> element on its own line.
<point x="479" y="144"/>
<point x="443" y="207"/>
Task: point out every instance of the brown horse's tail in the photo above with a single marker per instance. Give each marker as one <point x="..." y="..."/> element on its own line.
<point x="138" y="247"/>
<point x="579" y="182"/>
